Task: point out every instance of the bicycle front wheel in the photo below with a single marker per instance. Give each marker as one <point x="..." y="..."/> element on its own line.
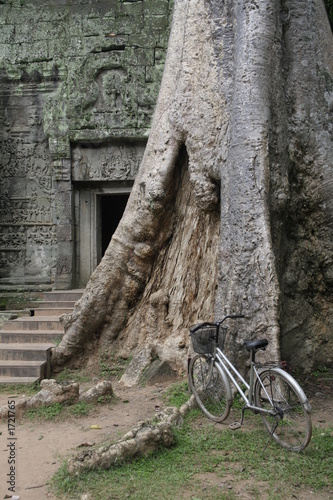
<point x="289" y="422"/>
<point x="210" y="388"/>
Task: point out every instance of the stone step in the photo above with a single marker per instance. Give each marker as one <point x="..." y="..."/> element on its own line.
<point x="37" y="336"/>
<point x="18" y="380"/>
<point x="33" y="323"/>
<point x="25" y="352"/>
<point x="22" y="369"/>
<point x="26" y="342"/>
<point x="63" y="295"/>
<point x="52" y="311"/>
<point x="49" y="304"/>
<point x="15" y="313"/>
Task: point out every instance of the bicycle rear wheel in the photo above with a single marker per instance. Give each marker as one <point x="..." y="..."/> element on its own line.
<point x="210" y="389"/>
<point x="290" y="426"/>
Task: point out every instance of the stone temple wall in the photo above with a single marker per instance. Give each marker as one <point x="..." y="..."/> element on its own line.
<point x="78" y="84"/>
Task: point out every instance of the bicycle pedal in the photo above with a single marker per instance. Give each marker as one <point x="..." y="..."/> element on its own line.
<point x="235" y="425"/>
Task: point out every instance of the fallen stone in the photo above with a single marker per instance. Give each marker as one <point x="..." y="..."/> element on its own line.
<point x="158" y="371"/>
<point x="20" y="408"/>
<point x="136" y="367"/>
<point x="52" y="393"/>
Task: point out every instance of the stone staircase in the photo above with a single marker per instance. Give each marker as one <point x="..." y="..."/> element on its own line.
<point x="26" y="342"/>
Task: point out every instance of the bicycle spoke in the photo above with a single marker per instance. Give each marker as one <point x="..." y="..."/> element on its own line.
<point x="209" y="388"/>
<point x="290" y="423"/>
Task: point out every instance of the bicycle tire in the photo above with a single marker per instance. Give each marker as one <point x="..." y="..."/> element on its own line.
<point x="210" y="387"/>
<point x="291" y="425"/>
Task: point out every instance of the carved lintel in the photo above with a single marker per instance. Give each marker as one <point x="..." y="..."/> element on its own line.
<point x="109" y="161"/>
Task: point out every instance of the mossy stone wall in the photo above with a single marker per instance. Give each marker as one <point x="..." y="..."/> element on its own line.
<point x="78" y="83"/>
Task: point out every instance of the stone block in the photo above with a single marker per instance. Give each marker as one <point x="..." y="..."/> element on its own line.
<point x="64" y="232"/>
<point x="157" y="23"/>
<point x="131" y="9"/>
<point x="63" y="278"/>
<point x="136" y="56"/>
<point x="139" y="363"/>
<point x="142" y="40"/>
<point x="25" y="55"/>
<point x="51" y="392"/>
<point x="129" y="24"/>
<point x="158" y="371"/>
<point x="7" y="34"/>
<point x="154" y="74"/>
<point x="145" y="115"/>
<point x="64" y="204"/>
<point x="156" y="7"/>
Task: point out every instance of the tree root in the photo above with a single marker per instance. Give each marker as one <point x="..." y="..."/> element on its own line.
<point x="140" y="441"/>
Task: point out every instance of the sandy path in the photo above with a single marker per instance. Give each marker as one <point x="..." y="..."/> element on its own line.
<point x="40" y="448"/>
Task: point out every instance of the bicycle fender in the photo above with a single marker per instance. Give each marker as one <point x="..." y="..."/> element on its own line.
<point x="304" y="400"/>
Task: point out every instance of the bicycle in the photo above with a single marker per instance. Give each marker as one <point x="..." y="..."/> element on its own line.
<point x="271" y="391"/>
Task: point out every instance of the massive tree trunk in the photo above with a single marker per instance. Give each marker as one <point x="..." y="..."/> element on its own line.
<point x="233" y="196"/>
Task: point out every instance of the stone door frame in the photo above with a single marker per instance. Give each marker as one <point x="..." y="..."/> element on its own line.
<point x="87" y="225"/>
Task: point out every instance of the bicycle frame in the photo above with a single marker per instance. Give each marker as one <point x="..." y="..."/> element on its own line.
<point x="228" y="370"/>
<point x="225" y="364"/>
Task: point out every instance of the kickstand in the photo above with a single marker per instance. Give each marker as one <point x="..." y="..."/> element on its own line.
<point x="279" y="417"/>
<point x="270" y="436"/>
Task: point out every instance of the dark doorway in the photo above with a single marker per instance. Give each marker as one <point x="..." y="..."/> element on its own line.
<point x="112" y="209"/>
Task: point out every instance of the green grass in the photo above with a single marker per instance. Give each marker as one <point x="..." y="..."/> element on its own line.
<point x="71" y="376"/>
<point x="44" y="412"/>
<point x="58" y="410"/>
<point x="177" y="395"/>
<point x="20" y="389"/>
<point x="111" y="367"/>
<point x="80" y="409"/>
<point x="323" y="372"/>
<point x="210" y="462"/>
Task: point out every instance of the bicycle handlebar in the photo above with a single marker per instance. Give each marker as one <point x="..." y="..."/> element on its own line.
<point x="217" y="323"/>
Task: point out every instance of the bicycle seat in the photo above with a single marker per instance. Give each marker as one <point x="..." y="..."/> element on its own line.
<point x="255" y="344"/>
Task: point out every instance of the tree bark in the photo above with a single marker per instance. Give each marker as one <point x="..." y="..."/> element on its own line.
<point x="245" y="101"/>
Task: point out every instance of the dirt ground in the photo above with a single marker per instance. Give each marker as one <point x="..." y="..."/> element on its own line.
<point x="40" y="448"/>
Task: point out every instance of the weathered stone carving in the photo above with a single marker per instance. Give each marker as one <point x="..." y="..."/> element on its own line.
<point x="86" y="77"/>
<point x="106" y="162"/>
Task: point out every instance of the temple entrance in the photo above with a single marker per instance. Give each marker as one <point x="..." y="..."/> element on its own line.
<point x="98" y="210"/>
<point x="112" y="207"/>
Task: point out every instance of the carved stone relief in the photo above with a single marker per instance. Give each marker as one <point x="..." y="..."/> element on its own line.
<point x="109" y="162"/>
<point x="27" y="231"/>
<point x="76" y="99"/>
